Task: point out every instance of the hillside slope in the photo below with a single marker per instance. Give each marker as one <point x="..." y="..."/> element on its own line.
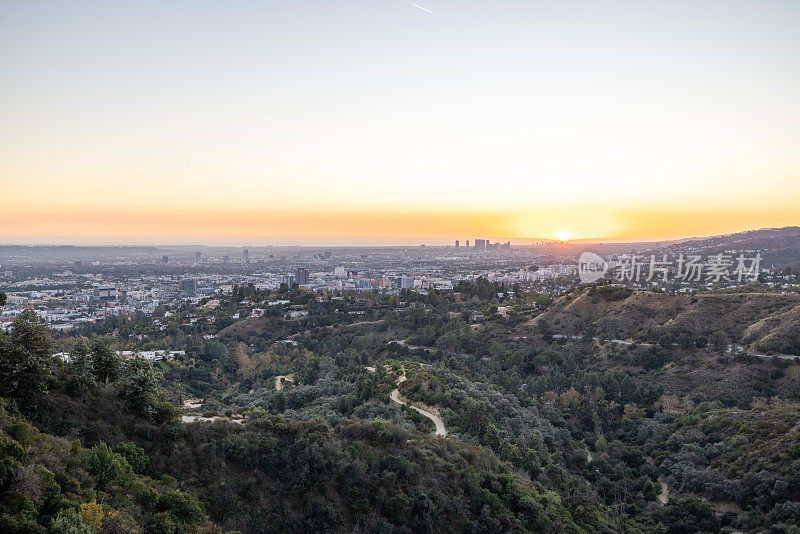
<point x="766" y="321"/>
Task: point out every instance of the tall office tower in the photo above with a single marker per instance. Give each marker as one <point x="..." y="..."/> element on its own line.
<point x="189" y="286"/>
<point x="467" y="243"/>
<point x="164" y="259"/>
<point x="246" y="256"/>
<point x="196" y="256"/>
<point x="457" y="243"/>
<point x="301" y="276"/>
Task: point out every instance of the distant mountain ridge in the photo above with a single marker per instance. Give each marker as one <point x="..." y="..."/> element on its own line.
<point x="778" y="246"/>
<point x="788" y="236"/>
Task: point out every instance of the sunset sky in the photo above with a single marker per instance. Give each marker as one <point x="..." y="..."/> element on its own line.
<point x="373" y="121"/>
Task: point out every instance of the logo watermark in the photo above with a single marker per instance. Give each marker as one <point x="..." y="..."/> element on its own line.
<point x="591" y="267"/>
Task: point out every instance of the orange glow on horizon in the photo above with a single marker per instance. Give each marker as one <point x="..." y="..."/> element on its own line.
<point x="21" y="224"/>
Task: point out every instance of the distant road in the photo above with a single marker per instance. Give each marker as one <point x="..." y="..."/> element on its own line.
<point x="734" y="349"/>
<point x="738" y="349"/>
<point x="402" y="343"/>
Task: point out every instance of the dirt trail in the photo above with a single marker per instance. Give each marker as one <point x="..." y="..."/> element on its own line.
<point x="395" y="396"/>
<point x="733" y="349"/>
<point x="193" y="404"/>
<point x="202" y="419"/>
<point x="663" y="497"/>
<point x="281" y="378"/>
<point x="437" y="420"/>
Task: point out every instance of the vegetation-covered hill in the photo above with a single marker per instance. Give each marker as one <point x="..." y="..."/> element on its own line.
<point x="764" y="320"/>
<point x="54" y="484"/>
<point x="551" y="426"/>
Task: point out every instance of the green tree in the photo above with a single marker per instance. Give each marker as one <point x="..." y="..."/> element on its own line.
<point x="163" y="523"/>
<point x="70" y="522"/>
<point x="183" y="506"/>
<point x="689" y="514"/>
<point x="106" y="365"/>
<point x="26" y="353"/>
<point x="3" y="299"/>
<point x="80" y="380"/>
<point x="134" y="454"/>
<point x="139" y="387"/>
<point x="107" y="467"/>
<point x="215" y="351"/>
<point x="718" y="341"/>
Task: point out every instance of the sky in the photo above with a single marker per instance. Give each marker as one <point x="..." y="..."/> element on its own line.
<point x="374" y="121"/>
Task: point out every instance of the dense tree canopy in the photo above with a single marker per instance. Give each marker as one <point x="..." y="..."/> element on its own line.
<point x="25" y="357"/>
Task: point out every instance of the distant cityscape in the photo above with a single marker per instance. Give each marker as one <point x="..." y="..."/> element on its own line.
<point x="70" y="286"/>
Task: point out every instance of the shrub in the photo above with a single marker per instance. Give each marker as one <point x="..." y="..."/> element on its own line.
<point x="107" y="467"/>
<point x="70" y="522"/>
<point x="182" y="505"/>
<point x="135" y="456"/>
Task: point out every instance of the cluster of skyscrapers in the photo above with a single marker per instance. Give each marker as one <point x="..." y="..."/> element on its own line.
<point x="485" y="244"/>
<point x="301" y="277"/>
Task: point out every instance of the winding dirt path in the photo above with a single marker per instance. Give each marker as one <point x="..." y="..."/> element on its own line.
<point x="395" y="396"/>
<point x="437" y="420"/>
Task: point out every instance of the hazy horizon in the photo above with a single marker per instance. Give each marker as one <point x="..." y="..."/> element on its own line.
<point x="288" y="242"/>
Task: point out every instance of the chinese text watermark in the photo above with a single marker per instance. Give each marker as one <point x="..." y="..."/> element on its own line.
<point x="713" y="268"/>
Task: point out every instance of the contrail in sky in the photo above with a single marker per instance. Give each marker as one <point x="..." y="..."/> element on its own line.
<point x="422" y="8"/>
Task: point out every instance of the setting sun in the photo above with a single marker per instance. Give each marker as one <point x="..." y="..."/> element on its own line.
<point x="564" y="236"/>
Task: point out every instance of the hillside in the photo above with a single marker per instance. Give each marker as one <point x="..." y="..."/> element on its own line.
<point x="601" y="410"/>
<point x="274" y="473"/>
<point x="759" y="319"/>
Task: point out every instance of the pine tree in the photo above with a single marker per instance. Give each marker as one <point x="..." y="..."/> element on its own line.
<point x="26" y="353"/>
<point x="106" y="365"/>
<point x="80" y="380"/>
<point x="139" y="387"/>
